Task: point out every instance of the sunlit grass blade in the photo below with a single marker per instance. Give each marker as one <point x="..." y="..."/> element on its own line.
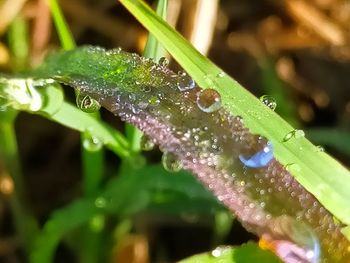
<point x="320" y="174"/>
<point x="64" y="34"/>
<point x="70" y="116"/>
<point x="249" y="252"/>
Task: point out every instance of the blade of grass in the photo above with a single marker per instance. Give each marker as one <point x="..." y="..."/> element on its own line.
<point x="64" y="34"/>
<point x="320" y="174"/>
<point x="249" y="252"/>
<point x="92" y="161"/>
<point x="18" y="41"/>
<point x="24" y="221"/>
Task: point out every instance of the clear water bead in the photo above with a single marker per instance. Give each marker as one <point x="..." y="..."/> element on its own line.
<point x="219" y="251"/>
<point x="163" y="62"/>
<point x="300" y="243"/>
<point x="146" y="143"/>
<point x="170" y="162"/>
<point x="86" y="103"/>
<point x="208" y="100"/>
<point x="186" y="85"/>
<point x="92" y="143"/>
<point x="269" y="101"/>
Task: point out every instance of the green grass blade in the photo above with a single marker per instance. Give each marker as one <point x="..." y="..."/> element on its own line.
<point x="64" y="34"/>
<point x="154" y="49"/>
<point x="70" y="116"/>
<point x="92" y="162"/>
<point x="320" y="174"/>
<point x="246" y="253"/>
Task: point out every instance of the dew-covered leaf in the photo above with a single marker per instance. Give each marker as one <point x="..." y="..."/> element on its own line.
<point x="313" y="171"/>
<point x="201" y="136"/>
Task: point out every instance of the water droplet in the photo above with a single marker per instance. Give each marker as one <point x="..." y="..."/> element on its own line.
<point x="216" y="253"/>
<point x="186" y="85"/>
<point x="295" y="241"/>
<point x="86" y="103"/>
<point x="219" y="251"/>
<point x="146" y="89"/>
<point x="320" y="148"/>
<point x="208" y="100"/>
<point x="221" y="74"/>
<point x="269" y="101"/>
<point x="294" y="133"/>
<point x="92" y="143"/>
<point x="146" y="143"/>
<point x="170" y="162"/>
<point x="299" y="134"/>
<point x="163" y="62"/>
<point x="153" y="101"/>
<point x="100" y="202"/>
<point x="259" y="159"/>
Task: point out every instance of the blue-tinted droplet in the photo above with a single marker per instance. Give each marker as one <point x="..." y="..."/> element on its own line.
<point x="259" y="159"/>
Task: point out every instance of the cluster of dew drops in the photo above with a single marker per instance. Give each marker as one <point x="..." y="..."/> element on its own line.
<point x="208" y="100"/>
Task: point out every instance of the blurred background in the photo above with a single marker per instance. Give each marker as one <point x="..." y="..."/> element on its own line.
<point x="297" y="51"/>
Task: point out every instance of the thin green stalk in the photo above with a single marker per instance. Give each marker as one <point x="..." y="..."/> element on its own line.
<point x="18" y="42"/>
<point x="25" y="223"/>
<point x="92" y="161"/>
<point x="65" y="35"/>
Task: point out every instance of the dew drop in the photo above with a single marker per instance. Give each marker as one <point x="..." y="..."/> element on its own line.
<point x="319" y="148"/>
<point x="294" y="133"/>
<point x="100" y="202"/>
<point x="146" y="143"/>
<point x="153" y="100"/>
<point x="146" y="89"/>
<point x="216" y="253"/>
<point x="92" y="143"/>
<point x="186" y="85"/>
<point x="259" y="159"/>
<point x="208" y="100"/>
<point x="86" y="103"/>
<point x="219" y="251"/>
<point x="299" y="244"/>
<point x="269" y="101"/>
<point x="221" y="74"/>
<point x="170" y="162"/>
<point x="163" y="62"/>
<point x="299" y="134"/>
